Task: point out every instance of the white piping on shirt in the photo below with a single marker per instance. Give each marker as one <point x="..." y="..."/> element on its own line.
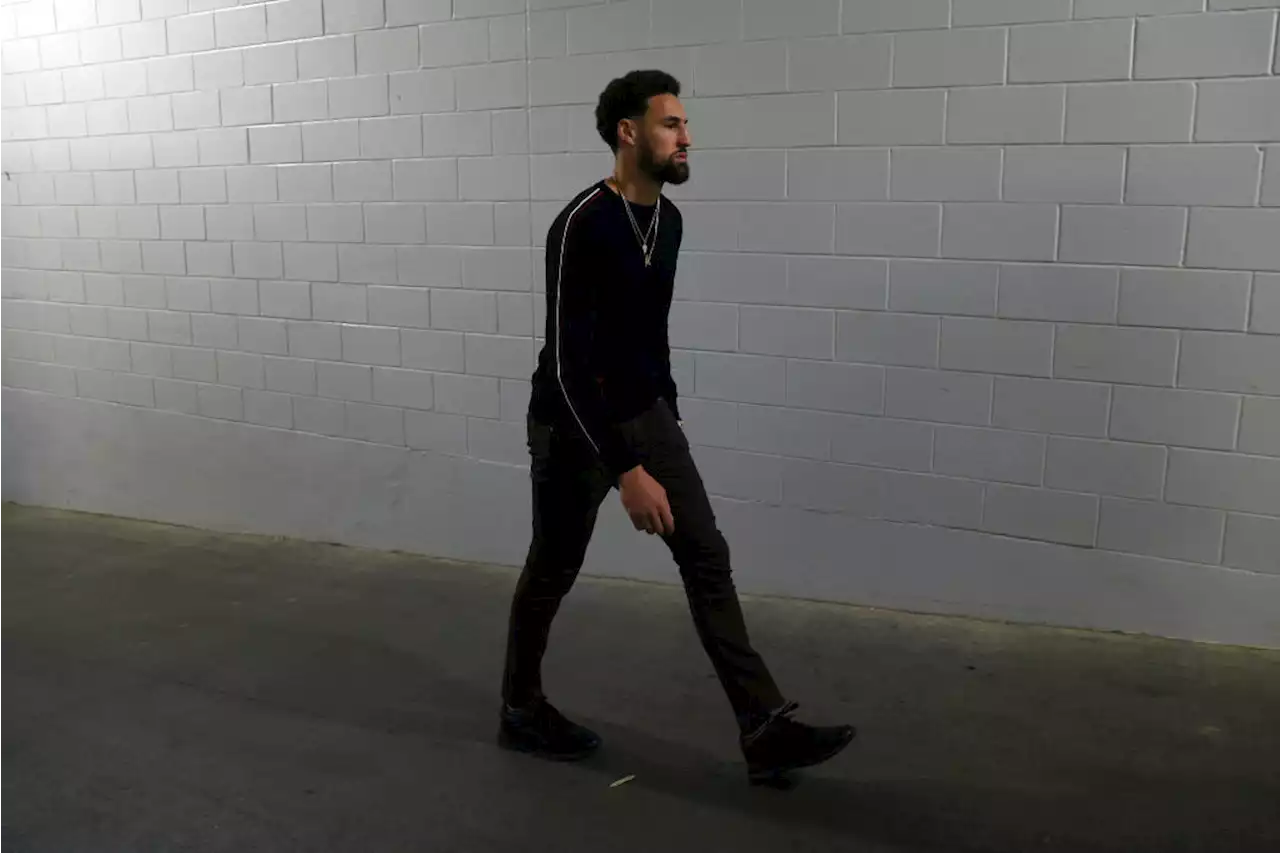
<point x="564" y="240"/>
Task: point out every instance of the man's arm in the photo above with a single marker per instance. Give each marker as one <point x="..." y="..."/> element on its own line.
<point x="576" y="334"/>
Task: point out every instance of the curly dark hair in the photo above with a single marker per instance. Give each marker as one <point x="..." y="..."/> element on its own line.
<point x="628" y="97"/>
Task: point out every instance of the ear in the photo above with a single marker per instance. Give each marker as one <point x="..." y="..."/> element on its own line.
<point x="627" y="130"/>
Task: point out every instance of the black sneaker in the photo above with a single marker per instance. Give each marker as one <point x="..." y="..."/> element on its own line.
<point x="781" y="744"/>
<point x="543" y="731"/>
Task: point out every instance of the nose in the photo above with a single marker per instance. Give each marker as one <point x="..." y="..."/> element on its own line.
<point x="685" y="140"/>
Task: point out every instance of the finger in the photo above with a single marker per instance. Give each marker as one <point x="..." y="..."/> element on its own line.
<point x="639" y="522"/>
<point x="668" y="521"/>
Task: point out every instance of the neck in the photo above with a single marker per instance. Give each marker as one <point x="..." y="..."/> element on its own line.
<point x="634" y="185"/>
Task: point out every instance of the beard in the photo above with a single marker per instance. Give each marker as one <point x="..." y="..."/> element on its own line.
<point x="668" y="171"/>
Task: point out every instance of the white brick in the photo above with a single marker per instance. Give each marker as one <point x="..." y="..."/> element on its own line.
<point x="679" y="23"/>
<point x="1134" y="356"/>
<point x="1016" y="232"/>
<point x="1253" y="542"/>
<point x="362" y="181"/>
<point x="324" y="417"/>
<point x="492" y="355"/>
<point x="223" y="147"/>
<point x="234" y="297"/>
<point x="171" y="74"/>
<point x="182" y="223"/>
<point x="461" y="225"/>
<point x="331" y="140"/>
<point x="232" y="222"/>
<point x="888" y="229"/>
<point x="787" y="227"/>
<point x="425" y="91"/>
<point x="465" y="311"/>
<point x="1188" y="299"/>
<point x="150" y="114"/>
<point x="799" y="332"/>
<point x="968" y="13"/>
<point x="787" y="432"/>
<point x="507" y="37"/>
<point x="837" y="387"/>
<point x="332" y="56"/>
<point x="891" y="118"/>
<point x="314" y="340"/>
<point x="289" y="299"/>
<point x="493" y="178"/>
<point x="1221" y="361"/>
<point x="262" y="335"/>
<point x="703" y="326"/>
<point x="248" y="184"/>
<point x="239" y="27"/>
<point x="196" y="109"/>
<point x="143" y="39"/>
<point x="1010" y="114"/>
<point x="1260" y="426"/>
<point x="894" y="15"/>
<point x="493" y="86"/>
<point x="621" y="25"/>
<point x="1270" y="193"/>
<point x="306" y="101"/>
<point x="933" y="395"/>
<point x="996" y="346"/>
<point x="352" y="97"/>
<point x="435" y="431"/>
<point x="765" y="121"/>
<point x="942" y="287"/>
<point x="371" y="345"/>
<point x="989" y="454"/>
<point x="1141" y="527"/>
<point x="208" y="258"/>
<point x="949" y="58"/>
<point x="345" y="381"/>
<point x="1169" y="416"/>
<point x="738" y="278"/>
<point x="268" y="409"/>
<point x="1040" y="514"/>
<point x="381" y="51"/>
<point x="241" y="369"/>
<point x="432" y="350"/>
<point x="257" y="260"/>
<point x="1105" y="467"/>
<point x="78" y="84"/>
<point x="467" y="395"/>
<point x="1224" y="481"/>
<point x="562" y="176"/>
<point x="394" y="223"/>
<point x="272" y="63"/>
<point x="1082" y="174"/>
<point x="294" y="19"/>
<point x="219" y="70"/>
<point x="1052" y="53"/>
<point x="738" y="69"/>
<point x="407" y="388"/>
<point x="517" y="317"/>
<point x="202" y="186"/>
<point x="1190" y="175"/>
<point x="1122" y="235"/>
<point x="877" y="493"/>
<point x="728" y="175"/>
<point x="945" y="174"/>
<point x="400" y="306"/>
<point x="290" y="375"/>
<point x="1058" y="292"/>
<point x="425" y="180"/>
<point x="347" y="16"/>
<point x="1129" y="8"/>
<point x="455" y="43"/>
<point x="1233" y="239"/>
<point x="310" y="262"/>
<point x="164" y="258"/>
<point x="822" y="64"/>
<point x="765" y="19"/>
<point x="1266" y="302"/>
<point x="251" y="105"/>
<point x="276" y="222"/>
<point x="211" y="330"/>
<point x="835" y="282"/>
<point x="1130" y="112"/>
<point x="1042" y="405"/>
<point x="745" y="378"/>
<point x="175" y="149"/>
<point x="881" y="442"/>
<point x="344" y="302"/>
<point x="1204" y="45"/>
<point x="367" y="264"/>
<point x="385" y="138"/>
<point x="102" y="117"/>
<point x="299" y="182"/>
<point x="455" y="133"/>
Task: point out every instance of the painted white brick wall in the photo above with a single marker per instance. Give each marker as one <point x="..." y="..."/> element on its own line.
<point x="1008" y="267"/>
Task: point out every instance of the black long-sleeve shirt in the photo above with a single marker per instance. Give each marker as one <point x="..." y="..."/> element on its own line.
<point x="606" y="358"/>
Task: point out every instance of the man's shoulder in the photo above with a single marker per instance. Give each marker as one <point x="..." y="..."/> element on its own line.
<point x="670" y="208"/>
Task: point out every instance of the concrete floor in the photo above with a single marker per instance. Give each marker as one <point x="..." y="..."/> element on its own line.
<point x="170" y="689"/>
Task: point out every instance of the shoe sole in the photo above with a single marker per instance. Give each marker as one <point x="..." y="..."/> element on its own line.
<point x="512" y="744"/>
<point x="776" y="777"/>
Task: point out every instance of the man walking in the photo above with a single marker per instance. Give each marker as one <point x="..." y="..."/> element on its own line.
<point x="604" y="414"/>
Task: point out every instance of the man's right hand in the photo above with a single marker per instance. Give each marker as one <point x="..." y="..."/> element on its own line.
<point x="645" y="501"/>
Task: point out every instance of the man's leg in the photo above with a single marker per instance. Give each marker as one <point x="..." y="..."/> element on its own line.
<point x="568" y="487"/>
<point x="702" y="554"/>
<point x="772" y="742"/>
